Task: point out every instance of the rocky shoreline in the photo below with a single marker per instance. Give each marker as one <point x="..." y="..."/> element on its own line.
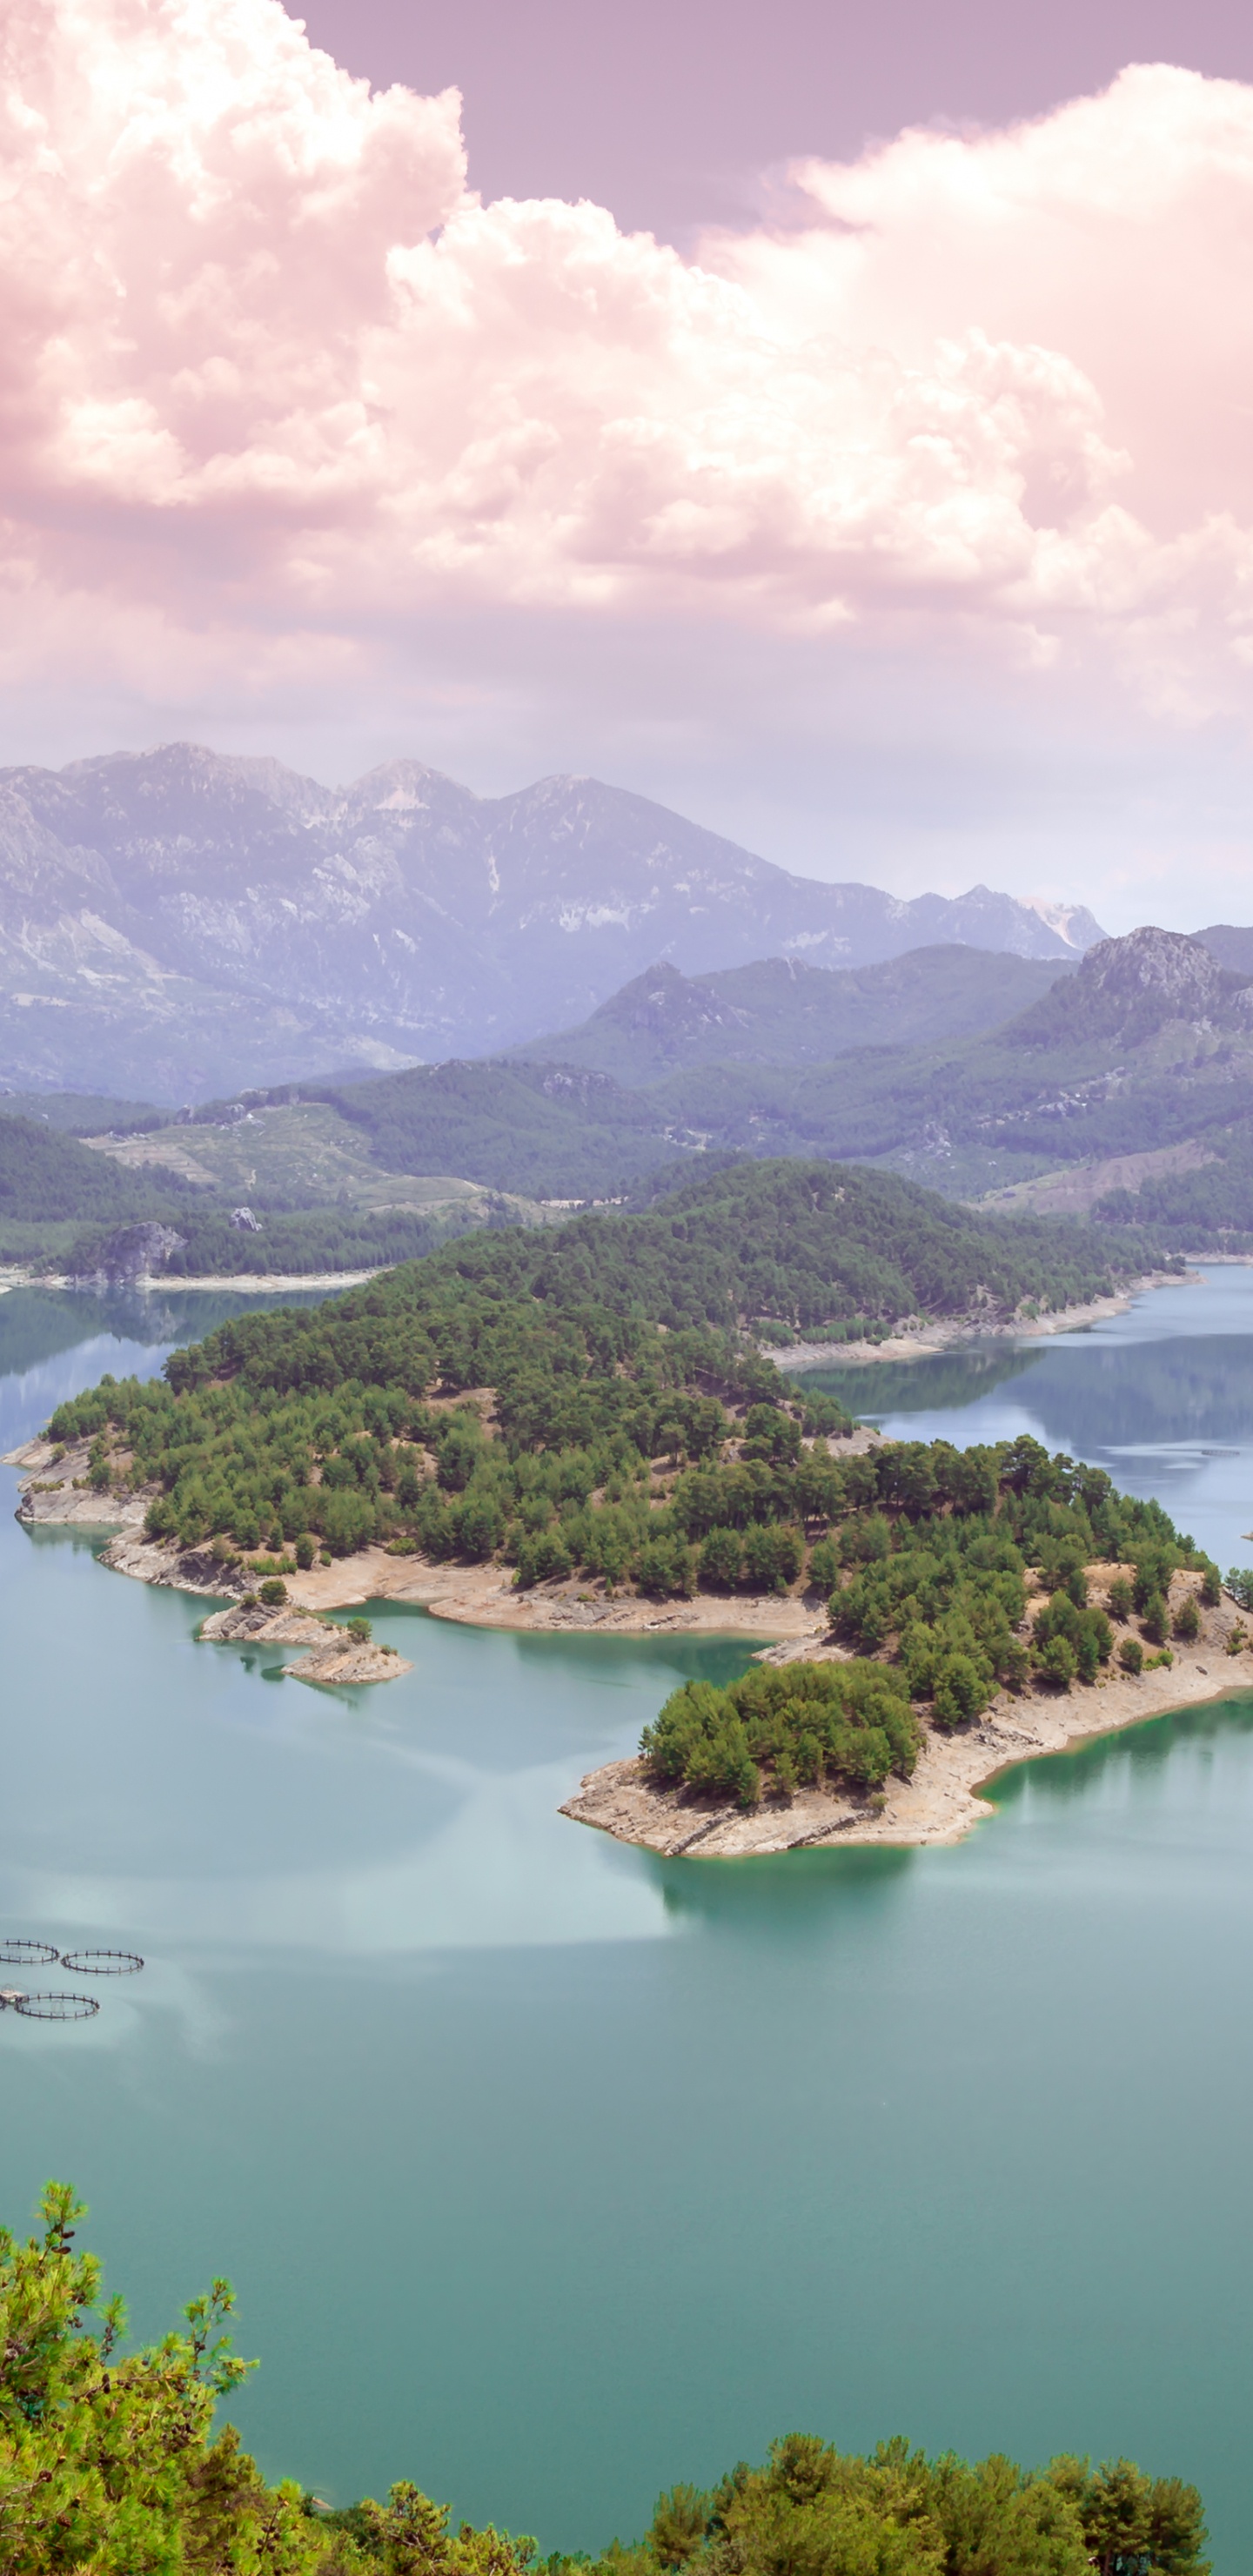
<point x="478" y="1595"/>
<point x="144" y="1283"/>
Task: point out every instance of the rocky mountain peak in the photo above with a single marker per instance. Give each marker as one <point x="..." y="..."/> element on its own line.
<point x="1162" y="965"/>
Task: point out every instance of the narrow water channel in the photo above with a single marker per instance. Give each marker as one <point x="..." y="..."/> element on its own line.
<point x="549" y="2172"/>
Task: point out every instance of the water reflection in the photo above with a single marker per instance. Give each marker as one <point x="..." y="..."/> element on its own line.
<point x="194" y="1807"/>
<point x="1111" y="1761"/>
<point x="56" y="1341"/>
<point x="957" y="1378"/>
<point x="789" y="1900"/>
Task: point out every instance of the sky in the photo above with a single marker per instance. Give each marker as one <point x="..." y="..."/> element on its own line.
<point x="834" y="424"/>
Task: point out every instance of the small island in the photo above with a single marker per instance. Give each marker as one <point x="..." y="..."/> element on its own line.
<point x="336" y="1655"/>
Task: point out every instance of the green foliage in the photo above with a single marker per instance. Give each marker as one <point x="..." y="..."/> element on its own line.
<point x="1131" y="1655"/>
<point x="846" y="1724"/>
<point x="812" y="2511"/>
<point x="1153" y="1619"/>
<point x="45" y="1177"/>
<point x="1085" y="1633"/>
<point x="1211" y="1208"/>
<point x="545" y="1130"/>
<point x="1187" y="1620"/>
<point x="273" y="1592"/>
<point x="98" y="2452"/>
<point x="294" y="1242"/>
<point x="109" y="2464"/>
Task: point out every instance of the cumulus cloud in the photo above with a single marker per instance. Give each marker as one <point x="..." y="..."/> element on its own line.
<point x="276" y="387"/>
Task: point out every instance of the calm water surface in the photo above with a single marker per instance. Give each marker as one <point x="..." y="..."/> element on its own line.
<point x="550" y="2172"/>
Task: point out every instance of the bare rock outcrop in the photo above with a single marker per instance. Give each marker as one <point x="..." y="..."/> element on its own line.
<point x="336" y="1657"/>
<point x="58" y="1488"/>
<point x="134" y="1252"/>
<point x="339" y="1659"/>
<point x="246" y="1622"/>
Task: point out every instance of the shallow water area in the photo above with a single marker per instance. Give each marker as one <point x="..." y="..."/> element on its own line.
<point x="549" y="2172"/>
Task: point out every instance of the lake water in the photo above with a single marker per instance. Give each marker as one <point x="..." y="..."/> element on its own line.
<point x="549" y="2172"/>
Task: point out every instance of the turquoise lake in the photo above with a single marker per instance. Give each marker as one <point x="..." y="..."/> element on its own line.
<point x="549" y="2172"/>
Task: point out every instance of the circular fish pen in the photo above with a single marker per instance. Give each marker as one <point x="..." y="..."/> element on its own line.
<point x="29" y="1954"/>
<point x="101" y="1963"/>
<point x="57" y="2007"/>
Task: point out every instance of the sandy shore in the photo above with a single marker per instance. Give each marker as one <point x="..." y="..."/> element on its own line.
<point x="941" y="1803"/>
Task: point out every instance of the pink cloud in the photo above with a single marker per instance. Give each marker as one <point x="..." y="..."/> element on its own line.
<point x="274" y="384"/>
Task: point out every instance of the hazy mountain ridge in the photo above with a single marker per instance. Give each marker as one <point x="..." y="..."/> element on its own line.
<point x="783" y="1010"/>
<point x="187" y="922"/>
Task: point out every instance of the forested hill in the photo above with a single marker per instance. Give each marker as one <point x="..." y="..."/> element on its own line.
<point x="802" y="1244"/>
<point x="809" y="1243"/>
<point x="46" y="1177"/>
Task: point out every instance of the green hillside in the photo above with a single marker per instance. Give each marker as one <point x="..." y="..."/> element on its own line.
<point x="544" y="1131"/>
<point x="1148" y="1045"/>
<point x="47" y="1178"/>
<point x="784" y="1012"/>
<point x="1146" y="1049"/>
<point x="81" y="1113"/>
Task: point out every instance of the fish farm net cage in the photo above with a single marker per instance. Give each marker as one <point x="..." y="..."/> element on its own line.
<point x="56" y="2007"/>
<point x="101" y="1963"/>
<point x="47" y="2006"/>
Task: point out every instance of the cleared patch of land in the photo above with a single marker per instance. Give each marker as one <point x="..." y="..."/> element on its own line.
<point x="301" y="1153"/>
<point x="1076" y="1189"/>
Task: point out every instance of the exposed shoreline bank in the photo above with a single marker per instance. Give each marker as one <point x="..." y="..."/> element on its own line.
<point x="268" y="1283"/>
<point x="922" y="1341"/>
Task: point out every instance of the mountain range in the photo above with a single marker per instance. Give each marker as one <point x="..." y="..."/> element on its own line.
<point x="1126" y="1085"/>
<point x="177" y="923"/>
<point x="1135" y="1067"/>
